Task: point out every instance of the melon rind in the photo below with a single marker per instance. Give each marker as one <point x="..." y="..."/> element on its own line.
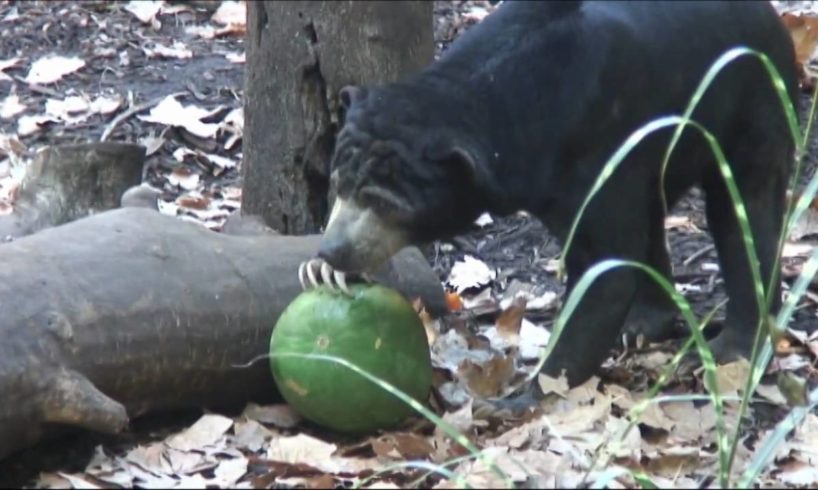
<point x="377" y="330"/>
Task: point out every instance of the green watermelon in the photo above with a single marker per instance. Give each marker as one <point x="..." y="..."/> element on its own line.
<point x="375" y="329"/>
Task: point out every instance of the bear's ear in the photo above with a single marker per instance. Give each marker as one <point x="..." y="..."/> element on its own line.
<point x="350" y="94"/>
<point x="461" y="161"/>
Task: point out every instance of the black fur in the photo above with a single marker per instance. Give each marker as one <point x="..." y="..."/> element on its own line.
<point x="525" y="108"/>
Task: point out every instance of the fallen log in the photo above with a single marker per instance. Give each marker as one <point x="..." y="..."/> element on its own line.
<point x="129" y="312"/>
<point x="64" y="183"/>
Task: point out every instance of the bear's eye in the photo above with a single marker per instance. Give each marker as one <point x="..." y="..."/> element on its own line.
<point x="382" y="200"/>
<point x="349" y="153"/>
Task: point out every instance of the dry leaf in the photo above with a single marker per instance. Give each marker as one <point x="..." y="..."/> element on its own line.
<point x="671" y="466"/>
<point x="167" y="207"/>
<point x="805" y="439"/>
<point x="171" y="112"/>
<point x="191" y="201"/>
<point x="146" y="11"/>
<point x="476" y="14"/>
<point x="587" y="392"/>
<point x="204" y="32"/>
<point x="195" y="481"/>
<point x="152" y="144"/>
<point x="53" y="481"/>
<point x="149" y="456"/>
<point x="28" y="125"/>
<point x="511" y="319"/>
<point x="792" y="362"/>
<point x="487" y="379"/>
<point x="517" y="465"/>
<point x="384" y="485"/>
<point x="402" y="445"/>
<point x="652" y="414"/>
<point x="470" y="273"/>
<point x="549" y="384"/>
<point x="219" y="163"/>
<point x="794" y="250"/>
<point x="523" y="435"/>
<point x="794" y="389"/>
<point x="690" y="423"/>
<point x="546" y="301"/>
<point x="533" y="339"/>
<point x="177" y="51"/>
<point x="452" y="348"/>
<point x="807" y="225"/>
<point x="11" y="146"/>
<point x="52" y="68"/>
<point x="229" y="471"/>
<point x="11" y="106"/>
<point x="430" y="325"/>
<point x="321" y="481"/>
<point x="180" y="462"/>
<point x="303" y="449"/>
<point x="280" y="415"/>
<point x="5" y="65"/>
<point x="233" y="124"/>
<point x="67" y="107"/>
<point x="300" y="448"/>
<point x="105" y="105"/>
<point x="798" y="474"/>
<point x="530" y="341"/>
<point x="230" y="13"/>
<point x="79" y="482"/>
<point x="629" y="446"/>
<point x="680" y="222"/>
<point x="211" y="213"/>
<point x="482" y="302"/>
<point x="462" y="419"/>
<point x="771" y="394"/>
<point x="184" y="178"/>
<point x="236" y="57"/>
<point x="804" y="32"/>
<point x="580" y="420"/>
<point x="652" y="360"/>
<point x="251" y="435"/>
<point x="207" y="430"/>
<point x="484" y="220"/>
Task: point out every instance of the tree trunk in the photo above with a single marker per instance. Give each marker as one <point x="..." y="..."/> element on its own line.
<point x="68" y="182"/>
<point x="130" y="312"/>
<point x="299" y="54"/>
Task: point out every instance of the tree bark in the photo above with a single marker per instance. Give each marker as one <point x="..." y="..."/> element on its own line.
<point x="299" y="54"/>
<point x="67" y="182"/>
<point x="130" y="312"/>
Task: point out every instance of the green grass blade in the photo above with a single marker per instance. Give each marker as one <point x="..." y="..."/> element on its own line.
<point x="708" y="362"/>
<point x="764" y="454"/>
<point x="799" y="288"/>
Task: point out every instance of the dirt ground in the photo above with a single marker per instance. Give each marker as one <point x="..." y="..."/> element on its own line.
<point x="114" y="45"/>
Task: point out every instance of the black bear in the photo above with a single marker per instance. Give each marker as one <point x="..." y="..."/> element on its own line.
<point x="523" y="111"/>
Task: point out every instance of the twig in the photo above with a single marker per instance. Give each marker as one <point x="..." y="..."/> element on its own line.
<point x="133" y="110"/>
<point x="37" y="88"/>
<point x="698" y="254"/>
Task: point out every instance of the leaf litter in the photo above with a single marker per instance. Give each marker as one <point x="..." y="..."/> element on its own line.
<point x="489" y="342"/>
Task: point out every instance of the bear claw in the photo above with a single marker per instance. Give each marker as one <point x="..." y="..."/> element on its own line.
<point x="333" y="279"/>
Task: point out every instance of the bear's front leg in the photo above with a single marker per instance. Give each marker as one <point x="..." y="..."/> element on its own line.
<point x="585" y="341"/>
<point x="594" y="326"/>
